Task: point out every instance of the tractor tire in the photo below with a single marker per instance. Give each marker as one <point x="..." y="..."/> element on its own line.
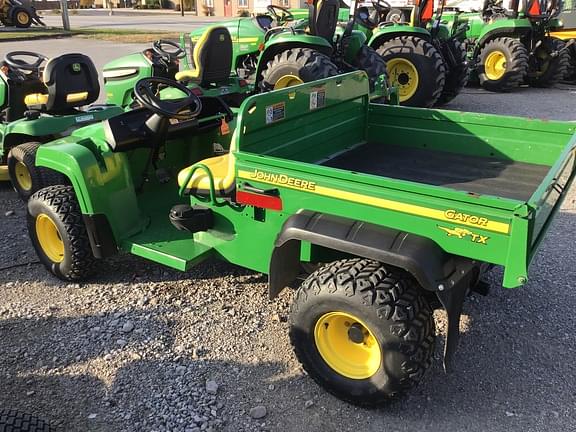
<point x="15" y="421"/>
<point x="571" y="74"/>
<point x="457" y="76"/>
<point x="363" y="331"/>
<point x="372" y="63"/>
<point x="21" y="17"/>
<point x="58" y="233"/>
<point x="502" y="64"/>
<point x="416" y="67"/>
<point x="296" y="66"/>
<point x="26" y="177"/>
<point x="546" y="71"/>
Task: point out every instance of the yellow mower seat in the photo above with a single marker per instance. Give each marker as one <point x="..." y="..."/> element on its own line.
<point x="223" y="173"/>
<point x="212" y="58"/>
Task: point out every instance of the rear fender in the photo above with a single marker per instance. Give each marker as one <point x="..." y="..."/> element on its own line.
<point x="383" y="34"/>
<point x="502" y="28"/>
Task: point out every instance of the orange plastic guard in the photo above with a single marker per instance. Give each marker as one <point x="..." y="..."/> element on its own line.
<point x="427" y="10"/>
<point x="534" y="8"/>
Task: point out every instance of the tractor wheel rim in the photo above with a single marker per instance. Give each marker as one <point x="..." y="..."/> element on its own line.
<point x="49" y="238"/>
<point x="287" y="81"/>
<point x="23" y="177"/>
<point x="22" y="18"/>
<point x="404" y="75"/>
<point x="495" y="65"/>
<point x="347" y="345"/>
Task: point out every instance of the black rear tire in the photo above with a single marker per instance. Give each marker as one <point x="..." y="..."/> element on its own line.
<point x="456" y="76"/>
<point x="394" y="318"/>
<point x="58" y="233"/>
<point x="21" y="17"/>
<point x="304" y="63"/>
<point x="546" y="71"/>
<point x="25" y="176"/>
<point x="15" y="421"/>
<point x="515" y="64"/>
<point x="416" y="67"/>
<point x="372" y="63"/>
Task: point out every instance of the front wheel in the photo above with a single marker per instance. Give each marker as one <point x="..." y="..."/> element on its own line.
<point x="372" y="63"/>
<point x="549" y="64"/>
<point x="26" y="177"/>
<point x="296" y="66"/>
<point x="22" y="18"/>
<point x="362" y="331"/>
<point x="457" y="73"/>
<point x="58" y="233"/>
<point x="416" y="68"/>
<point x="502" y="64"/>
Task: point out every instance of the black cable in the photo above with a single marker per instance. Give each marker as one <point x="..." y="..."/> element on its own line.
<point x="19" y="265"/>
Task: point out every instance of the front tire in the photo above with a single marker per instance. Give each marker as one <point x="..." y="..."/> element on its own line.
<point x="502" y="64"/>
<point x="372" y="63"/>
<point x="416" y="67"/>
<point x="58" y="233"/>
<point x="545" y="71"/>
<point x="457" y="75"/>
<point x="22" y="18"/>
<point x="362" y="331"/>
<point x="26" y="177"/>
<point x="15" y="421"/>
<point x="296" y="66"/>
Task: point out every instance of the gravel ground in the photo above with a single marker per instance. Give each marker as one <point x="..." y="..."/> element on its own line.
<point x="143" y="348"/>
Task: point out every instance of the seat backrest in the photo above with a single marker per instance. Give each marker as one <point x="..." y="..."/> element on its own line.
<point x="72" y="81"/>
<point x="323" y="18"/>
<point x="212" y="56"/>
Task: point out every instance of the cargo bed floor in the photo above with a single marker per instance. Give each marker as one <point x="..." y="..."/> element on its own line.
<point x="480" y="175"/>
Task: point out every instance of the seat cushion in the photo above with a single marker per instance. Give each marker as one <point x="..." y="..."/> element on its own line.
<point x="190" y="74"/>
<point x="222" y="169"/>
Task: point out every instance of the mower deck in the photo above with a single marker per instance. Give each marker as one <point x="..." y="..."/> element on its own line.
<point x="479" y="175"/>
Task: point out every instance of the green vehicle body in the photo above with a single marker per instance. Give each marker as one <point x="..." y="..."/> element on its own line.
<point x="44" y="127"/>
<point x="132" y="68"/>
<point x="284" y="155"/>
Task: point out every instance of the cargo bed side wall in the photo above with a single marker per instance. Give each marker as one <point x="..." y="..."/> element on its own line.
<point x="506" y="138"/>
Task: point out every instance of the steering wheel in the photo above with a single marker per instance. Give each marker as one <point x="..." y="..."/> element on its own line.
<point x="22" y="65"/>
<point x="280" y="14"/>
<point x="381" y="6"/>
<point x="161" y="47"/>
<point x="186" y="108"/>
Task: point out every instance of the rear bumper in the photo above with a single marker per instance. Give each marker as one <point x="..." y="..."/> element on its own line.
<point x="4" y="173"/>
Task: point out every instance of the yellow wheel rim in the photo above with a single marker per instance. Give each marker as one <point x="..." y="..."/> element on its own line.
<point x="495" y="65"/>
<point x="49" y="238"/>
<point x="404" y="75"/>
<point x="23" y="177"/>
<point x="22" y="18"/>
<point x="347" y="345"/>
<point x="287" y="81"/>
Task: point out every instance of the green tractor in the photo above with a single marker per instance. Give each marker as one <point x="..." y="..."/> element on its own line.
<point x="39" y="100"/>
<point x="509" y="47"/>
<point x="568" y="34"/>
<point x="425" y="59"/>
<point x="268" y="52"/>
<point x="383" y="211"/>
<point x="15" y="13"/>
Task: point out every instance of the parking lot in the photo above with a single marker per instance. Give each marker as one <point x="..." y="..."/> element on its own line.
<point x="144" y="348"/>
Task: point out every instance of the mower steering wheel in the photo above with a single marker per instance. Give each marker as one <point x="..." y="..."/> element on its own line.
<point x="284" y="15"/>
<point x="160" y="47"/>
<point x="185" y="108"/>
<point x="381" y="6"/>
<point x="22" y="65"/>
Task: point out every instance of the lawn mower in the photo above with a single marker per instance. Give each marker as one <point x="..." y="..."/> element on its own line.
<point x="425" y="59"/>
<point x="383" y="211"/>
<point x="39" y="100"/>
<point x="15" y="13"/>
<point x="508" y="47"/>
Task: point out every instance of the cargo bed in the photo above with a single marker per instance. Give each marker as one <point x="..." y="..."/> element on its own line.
<point x="478" y="175"/>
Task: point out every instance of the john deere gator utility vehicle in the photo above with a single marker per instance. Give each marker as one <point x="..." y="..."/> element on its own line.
<point x="39" y="100"/>
<point x="425" y="59"/>
<point x="395" y="208"/>
<point x="508" y="47"/>
<point x="15" y="13"/>
<point x="568" y="34"/>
